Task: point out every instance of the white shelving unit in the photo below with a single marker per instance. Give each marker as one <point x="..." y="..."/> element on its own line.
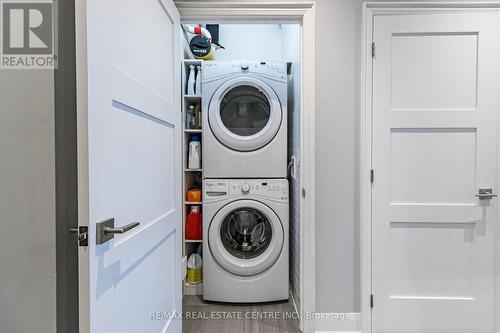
<point x="192" y="177"/>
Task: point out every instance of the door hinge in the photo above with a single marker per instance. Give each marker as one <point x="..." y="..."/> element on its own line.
<point x="373" y="49"/>
<point x="372" y="176"/>
<point x="371" y="301"/>
<point x="303" y="192"/>
<point x="83" y="235"/>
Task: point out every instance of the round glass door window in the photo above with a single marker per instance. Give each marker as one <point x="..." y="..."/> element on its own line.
<point x="246" y="233"/>
<point x="244" y="114"/>
<point x="245" y="110"/>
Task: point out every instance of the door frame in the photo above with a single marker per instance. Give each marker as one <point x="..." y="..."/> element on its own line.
<point x="296" y="12"/>
<point x="369" y="11"/>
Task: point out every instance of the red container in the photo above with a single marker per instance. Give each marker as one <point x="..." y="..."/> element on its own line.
<point x="193" y="224"/>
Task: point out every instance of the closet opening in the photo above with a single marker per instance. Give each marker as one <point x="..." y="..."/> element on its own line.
<point x="242" y="178"/>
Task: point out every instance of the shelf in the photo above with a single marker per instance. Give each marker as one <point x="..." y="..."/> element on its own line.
<point x="192" y="98"/>
<point x="191" y="177"/>
<point x="193" y="61"/>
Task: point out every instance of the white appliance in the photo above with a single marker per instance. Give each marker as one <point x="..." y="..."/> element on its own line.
<point x="245" y="240"/>
<point x="244" y="119"/>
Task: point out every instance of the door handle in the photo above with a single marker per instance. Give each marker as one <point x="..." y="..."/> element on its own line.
<point x="486" y="194"/>
<point x="105" y="230"/>
<point x="122" y="230"/>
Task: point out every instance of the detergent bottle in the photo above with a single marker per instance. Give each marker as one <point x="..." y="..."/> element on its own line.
<point x="194" y="269"/>
<point x="194" y="224"/>
<point x="198" y="80"/>
<point x="191" y="81"/>
<point x="194" y="157"/>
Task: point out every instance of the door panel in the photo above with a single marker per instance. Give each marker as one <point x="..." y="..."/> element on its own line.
<point x="435" y="139"/>
<point x="432" y="165"/>
<point x="134" y="165"/>
<point x="424" y="78"/>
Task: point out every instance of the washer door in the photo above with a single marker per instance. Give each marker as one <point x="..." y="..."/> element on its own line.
<point x="244" y="114"/>
<point x="245" y="237"/>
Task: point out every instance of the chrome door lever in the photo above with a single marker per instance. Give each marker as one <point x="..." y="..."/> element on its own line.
<point x="122" y="230"/>
<point x="106" y="230"/>
<point x="486" y="194"/>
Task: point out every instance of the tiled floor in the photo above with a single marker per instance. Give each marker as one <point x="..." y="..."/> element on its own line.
<point x="204" y="317"/>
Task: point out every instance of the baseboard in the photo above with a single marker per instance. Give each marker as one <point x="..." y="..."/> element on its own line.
<point x="338" y="331"/>
<point x="338" y="322"/>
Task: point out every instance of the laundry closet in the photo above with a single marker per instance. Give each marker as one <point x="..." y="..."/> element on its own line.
<point x="241" y="146"/>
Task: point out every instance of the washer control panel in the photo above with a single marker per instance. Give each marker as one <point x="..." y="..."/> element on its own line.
<point x="270" y="188"/>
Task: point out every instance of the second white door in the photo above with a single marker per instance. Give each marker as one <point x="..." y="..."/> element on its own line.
<point x="435" y="145"/>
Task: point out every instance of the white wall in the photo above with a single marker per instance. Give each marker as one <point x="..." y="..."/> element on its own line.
<point x="338" y="25"/>
<point x="27" y="202"/>
<point x="250" y="42"/>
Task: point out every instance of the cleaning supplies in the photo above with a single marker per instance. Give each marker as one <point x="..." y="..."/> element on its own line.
<point x="194" y="269"/>
<point x="198" y="81"/>
<point x="191" y="81"/>
<point x="194" y="224"/>
<point x="197" y="115"/>
<point x="193" y="195"/>
<point x="194" y="154"/>
<point x="190" y="117"/>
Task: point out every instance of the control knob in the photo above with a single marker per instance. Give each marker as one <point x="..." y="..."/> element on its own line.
<point x="245" y="188"/>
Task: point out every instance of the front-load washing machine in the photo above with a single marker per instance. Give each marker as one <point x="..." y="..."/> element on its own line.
<point x="244" y="110"/>
<point x="245" y="240"/>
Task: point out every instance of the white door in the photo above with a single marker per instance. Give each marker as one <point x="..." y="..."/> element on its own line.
<point x="129" y="165"/>
<point x="435" y="144"/>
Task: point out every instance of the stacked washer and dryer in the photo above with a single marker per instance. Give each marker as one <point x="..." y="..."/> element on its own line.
<point x="245" y="192"/>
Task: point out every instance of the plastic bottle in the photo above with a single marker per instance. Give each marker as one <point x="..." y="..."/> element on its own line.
<point x="189" y="117"/>
<point x="197" y="116"/>
<point x="194" y="156"/>
<point x="194" y="269"/>
<point x="193" y="195"/>
<point x="198" y="80"/>
<point x="191" y="81"/>
<point x="194" y="224"/>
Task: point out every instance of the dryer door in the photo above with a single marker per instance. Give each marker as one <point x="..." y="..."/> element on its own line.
<point x="245" y="114"/>
<point x="245" y="237"/>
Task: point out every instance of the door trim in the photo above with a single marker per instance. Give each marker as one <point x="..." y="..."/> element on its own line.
<point x="82" y="159"/>
<point x="369" y="11"/>
<point x="294" y="12"/>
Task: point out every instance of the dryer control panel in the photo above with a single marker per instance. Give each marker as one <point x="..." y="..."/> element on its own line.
<point x="272" y="69"/>
<point x="269" y="188"/>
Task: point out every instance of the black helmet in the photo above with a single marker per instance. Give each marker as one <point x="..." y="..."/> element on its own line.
<point x="200" y="46"/>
